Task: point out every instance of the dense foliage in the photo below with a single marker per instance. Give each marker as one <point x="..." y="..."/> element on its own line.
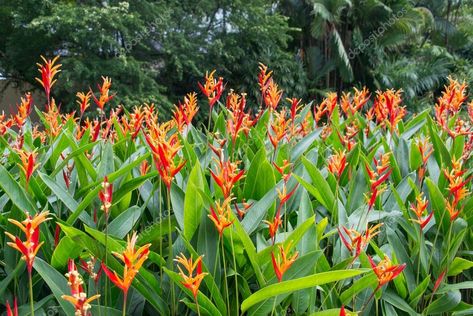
<point x="342" y="207"/>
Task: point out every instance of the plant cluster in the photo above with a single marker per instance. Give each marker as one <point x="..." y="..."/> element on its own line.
<point x="343" y="207"/>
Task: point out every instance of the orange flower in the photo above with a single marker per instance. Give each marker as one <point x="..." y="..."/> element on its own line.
<point x="278" y="127"/>
<point x="133" y="260"/>
<point x="83" y="101"/>
<point x="457" y="184"/>
<point x="4" y="124"/>
<point x="104" y="90"/>
<point x="28" y="164"/>
<point x="284" y="196"/>
<point x="419" y="209"/>
<point x="226" y="175"/>
<point x="144" y="167"/>
<point x="360" y="98"/>
<point x="386" y="271"/>
<point x="274" y="225"/>
<point x="191" y="281"/>
<point x="165" y="147"/>
<point x="358" y="241"/>
<point x="185" y="112"/>
<point x="282" y="263"/>
<point x="387" y="108"/>
<point x="327" y="106"/>
<point x="347" y="139"/>
<point x="105" y="196"/>
<point x="282" y="170"/>
<point x="452" y="210"/>
<point x="78" y="297"/>
<point x="212" y="88"/>
<point x="24" y="110"/>
<point x="377" y="177"/>
<point x="30" y="227"/>
<point x="13" y="312"/>
<point x="264" y="78"/>
<point x="53" y="119"/>
<point x="237" y="120"/>
<point x="242" y="212"/>
<point x="450" y="102"/>
<point x="272" y="95"/>
<point x="220" y="215"/>
<point x="426" y="150"/>
<point x="337" y="163"/>
<point x="48" y="71"/>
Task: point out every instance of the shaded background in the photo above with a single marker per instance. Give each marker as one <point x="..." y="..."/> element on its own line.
<point x="156" y="51"/>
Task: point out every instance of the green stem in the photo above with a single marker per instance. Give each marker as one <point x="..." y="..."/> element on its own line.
<point x="235" y="267"/>
<point x="106" y="261"/>
<point x="31" y="293"/>
<point x="125" y="294"/>
<point x="274" y="305"/>
<point x="168" y="200"/>
<point x="225" y="277"/>
<point x="215" y="268"/>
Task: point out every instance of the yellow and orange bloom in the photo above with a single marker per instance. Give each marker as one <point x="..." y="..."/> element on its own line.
<point x="193" y="275"/>
<point x="237" y="121"/>
<point x="377" y="177"/>
<point x="449" y="103"/>
<point x="387" y="108"/>
<point x="105" y="196"/>
<point x="48" y="71"/>
<point x="105" y="96"/>
<point x="28" y="164"/>
<point x="327" y="107"/>
<point x="242" y="212"/>
<point x="221" y="215"/>
<point x="133" y="260"/>
<point x="272" y="95"/>
<point x="185" y="112"/>
<point x="227" y="175"/>
<point x="274" y="225"/>
<point x="53" y="119"/>
<point x="30" y="227"/>
<point x="278" y="128"/>
<point x="78" y="297"/>
<point x="83" y="100"/>
<point x="358" y="241"/>
<point x="282" y="262"/>
<point x="212" y="88"/>
<point x="457" y="184"/>
<point x="426" y="150"/>
<point x="284" y="170"/>
<point x="5" y="124"/>
<point x="263" y="79"/>
<point x="337" y="163"/>
<point x="419" y="208"/>
<point x="453" y="210"/>
<point x="24" y="110"/>
<point x="385" y="270"/>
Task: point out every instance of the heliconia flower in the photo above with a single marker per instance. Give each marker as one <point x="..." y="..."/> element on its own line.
<point x="5" y="124"/>
<point x="358" y="241"/>
<point x="53" y="120"/>
<point x="24" y="110"/>
<point x="78" y="297"/>
<point x="286" y="165"/>
<point x="386" y="271"/>
<point x="83" y="101"/>
<point x="37" y="134"/>
<point x="295" y="107"/>
<point x="226" y="175"/>
<point x="28" y="164"/>
<point x="377" y="177"/>
<point x="30" y="227"/>
<point x="337" y="163"/>
<point x="274" y="225"/>
<point x="282" y="262"/>
<point x="89" y="267"/>
<point x="220" y="214"/>
<point x="264" y="78"/>
<point x="284" y="196"/>
<point x="104" y="90"/>
<point x="387" y="108"/>
<point x="456" y="182"/>
<point x="242" y="212"/>
<point x="238" y="121"/>
<point x="13" y="312"/>
<point x="105" y="195"/>
<point x="426" y="150"/>
<point x="185" y="112"/>
<point x="453" y="210"/>
<point x="133" y="260"/>
<point x="48" y="72"/>
<point x="450" y="102"/>
<point x="278" y="127"/>
<point x="347" y="139"/>
<point x="272" y="95"/>
<point x="144" y="167"/>
<point x="351" y="106"/>
<point x="131" y="124"/>
<point x="327" y="107"/>
<point x="419" y="209"/>
<point x="190" y="279"/>
<point x="212" y="88"/>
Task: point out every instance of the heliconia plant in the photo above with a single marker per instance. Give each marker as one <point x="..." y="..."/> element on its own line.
<point x="349" y="205"/>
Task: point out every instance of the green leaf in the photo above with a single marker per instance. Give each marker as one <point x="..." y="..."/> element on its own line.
<point x="65" y="250"/>
<point x="16" y="194"/>
<point x="459" y="265"/>
<point x="444" y="303"/>
<point x="193" y="203"/>
<point x="298" y="284"/>
<point x="124" y="222"/>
